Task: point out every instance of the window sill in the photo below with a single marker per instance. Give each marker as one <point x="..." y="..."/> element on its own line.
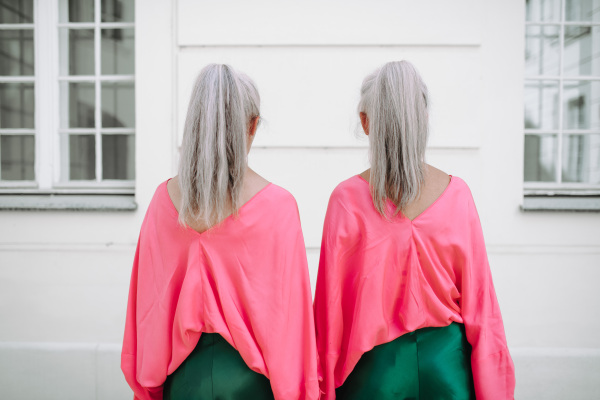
<point x="561" y="203"/>
<point x="67" y="202"/>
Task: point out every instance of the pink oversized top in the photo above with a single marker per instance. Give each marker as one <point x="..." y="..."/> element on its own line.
<point x="245" y="279"/>
<point x="380" y="279"/>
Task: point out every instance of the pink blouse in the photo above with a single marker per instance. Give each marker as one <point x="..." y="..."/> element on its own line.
<point x="380" y="279"/>
<point x="246" y="279"/>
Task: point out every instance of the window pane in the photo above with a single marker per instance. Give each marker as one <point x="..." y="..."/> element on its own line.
<point x="118" y="156"/>
<point x="16" y="11"/>
<point x="541" y="105"/>
<point x="77" y="105"/>
<point x="540" y="158"/>
<point x="76" y="52"/>
<point x="16" y="52"/>
<point x="582" y="50"/>
<point x="18" y="155"/>
<point x="581" y="105"/>
<point x="542" y="10"/>
<point x="118" y="105"/>
<point x="542" y="47"/>
<point x="581" y="158"/>
<point x="117" y="10"/>
<point x="582" y="10"/>
<point x="82" y="157"/>
<point x="16" y="105"/>
<point x="117" y="52"/>
<point x="76" y="10"/>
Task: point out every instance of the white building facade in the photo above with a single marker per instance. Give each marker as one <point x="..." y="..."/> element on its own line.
<point x="93" y="95"/>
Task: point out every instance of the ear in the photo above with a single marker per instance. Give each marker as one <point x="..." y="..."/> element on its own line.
<point x="364" y="121"/>
<point x="253" y="126"/>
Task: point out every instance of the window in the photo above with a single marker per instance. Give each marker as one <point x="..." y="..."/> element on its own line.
<point x="17" y="92"/>
<point x="562" y="97"/>
<point x="67" y="102"/>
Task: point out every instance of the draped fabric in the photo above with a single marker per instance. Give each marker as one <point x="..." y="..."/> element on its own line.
<point x="245" y="279"/>
<point x="380" y="279"/>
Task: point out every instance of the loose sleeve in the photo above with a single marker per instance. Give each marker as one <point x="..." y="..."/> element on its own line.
<point x="147" y="342"/>
<point x="129" y="363"/>
<point x="289" y="346"/>
<point x="492" y="366"/>
<point x="336" y="243"/>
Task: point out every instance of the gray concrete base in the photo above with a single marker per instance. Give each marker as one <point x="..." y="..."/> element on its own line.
<point x="62" y="371"/>
<point x="557" y="373"/>
<point x="92" y="371"/>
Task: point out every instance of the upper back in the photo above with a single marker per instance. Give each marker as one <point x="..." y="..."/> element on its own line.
<point x="435" y="184"/>
<point x="441" y="219"/>
<point x="253" y="184"/>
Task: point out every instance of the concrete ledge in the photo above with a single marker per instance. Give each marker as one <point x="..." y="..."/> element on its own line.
<point x="556" y="374"/>
<point x="67" y="202"/>
<point x="561" y="203"/>
<point x="62" y="371"/>
<point x="92" y="371"/>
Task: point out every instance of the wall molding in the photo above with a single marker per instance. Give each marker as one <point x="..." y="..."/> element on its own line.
<point x="359" y="147"/>
<point x="432" y="46"/>
<point x="60" y="346"/>
<point x="73" y="247"/>
<point x="542" y="249"/>
<point x="116" y="347"/>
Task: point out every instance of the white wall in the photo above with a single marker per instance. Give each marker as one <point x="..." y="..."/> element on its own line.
<point x="64" y="276"/>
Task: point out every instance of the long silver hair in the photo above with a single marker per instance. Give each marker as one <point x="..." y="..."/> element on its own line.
<point x="395" y="99"/>
<point x="213" y="152"/>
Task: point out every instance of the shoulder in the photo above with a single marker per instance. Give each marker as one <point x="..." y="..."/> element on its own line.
<point x="160" y="209"/>
<point x="161" y="203"/>
<point x="277" y="198"/>
<point x="459" y="184"/>
<point x="278" y="193"/>
<point x="351" y="198"/>
<point x="161" y="195"/>
<point x="350" y="188"/>
<point x="461" y="193"/>
<point x="277" y="207"/>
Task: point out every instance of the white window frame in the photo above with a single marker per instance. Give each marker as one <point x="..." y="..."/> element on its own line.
<point x="558" y="187"/>
<point x="48" y="160"/>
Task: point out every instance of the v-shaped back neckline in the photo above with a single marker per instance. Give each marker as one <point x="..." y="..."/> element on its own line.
<point x="412" y="220"/>
<point x="175" y="213"/>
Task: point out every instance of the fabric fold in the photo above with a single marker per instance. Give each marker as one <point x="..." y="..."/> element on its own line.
<point x="379" y="279"/>
<point x="245" y="279"/>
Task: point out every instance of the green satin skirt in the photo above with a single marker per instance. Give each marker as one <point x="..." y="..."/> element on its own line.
<point x="215" y="370"/>
<point x="429" y="363"/>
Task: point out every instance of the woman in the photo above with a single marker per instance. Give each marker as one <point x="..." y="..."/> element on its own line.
<point x="220" y="302"/>
<point x="405" y="306"/>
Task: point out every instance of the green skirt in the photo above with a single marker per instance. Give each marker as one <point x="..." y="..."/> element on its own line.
<point x="215" y="370"/>
<point x="429" y="363"/>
